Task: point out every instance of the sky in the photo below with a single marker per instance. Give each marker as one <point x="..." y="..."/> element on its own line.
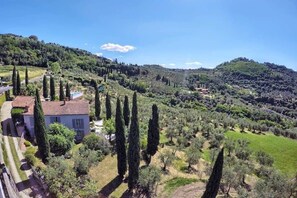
<point x="172" y="33"/>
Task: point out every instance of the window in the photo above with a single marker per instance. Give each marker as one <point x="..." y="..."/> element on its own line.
<point x="55" y="119"/>
<point x="78" y="123"/>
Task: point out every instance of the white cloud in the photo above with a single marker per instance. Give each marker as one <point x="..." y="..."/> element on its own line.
<point x="99" y="54"/>
<point x="171" y="64"/>
<point x="194" y="63"/>
<point x="117" y="48"/>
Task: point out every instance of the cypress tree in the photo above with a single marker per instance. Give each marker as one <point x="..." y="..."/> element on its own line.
<point x="126" y="111"/>
<point x="52" y="88"/>
<point x="97" y="102"/>
<point x="26" y="77"/>
<point x="214" y="180"/>
<point x="45" y="87"/>
<point x="14" y="81"/>
<point x="68" y="91"/>
<point x="18" y="86"/>
<point x="40" y="129"/>
<point x="108" y="107"/>
<point x="62" y="96"/>
<point x="133" y="150"/>
<point x="120" y="140"/>
<point x="153" y="132"/>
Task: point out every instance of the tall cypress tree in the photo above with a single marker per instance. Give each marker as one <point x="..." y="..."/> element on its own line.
<point x="14" y="81"/>
<point x="52" y="88"/>
<point x="153" y="132"/>
<point x="62" y="96"/>
<point x="120" y="140"/>
<point x="97" y="102"/>
<point x="18" y="86"/>
<point x="40" y="129"/>
<point x="108" y="107"/>
<point x="45" y="87"/>
<point x="26" y="77"/>
<point x="126" y="111"/>
<point x="214" y="180"/>
<point x="68" y="91"/>
<point x="133" y="151"/>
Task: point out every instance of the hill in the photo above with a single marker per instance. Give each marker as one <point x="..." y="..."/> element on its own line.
<point x="197" y="110"/>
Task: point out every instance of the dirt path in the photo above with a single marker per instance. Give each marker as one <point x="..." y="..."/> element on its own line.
<point x="35" y="79"/>
<point x="29" y="188"/>
<point x="190" y="190"/>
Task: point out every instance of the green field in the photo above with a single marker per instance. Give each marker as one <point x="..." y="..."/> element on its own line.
<point x="6" y="71"/>
<point x="176" y="182"/>
<point x="283" y="150"/>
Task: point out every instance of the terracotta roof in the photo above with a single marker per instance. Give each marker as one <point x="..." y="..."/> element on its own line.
<point x="23" y="101"/>
<point x="79" y="107"/>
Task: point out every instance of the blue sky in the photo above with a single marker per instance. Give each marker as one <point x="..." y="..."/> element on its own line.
<point x="174" y="33"/>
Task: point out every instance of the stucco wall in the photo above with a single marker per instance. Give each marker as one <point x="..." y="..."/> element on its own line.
<point x="64" y="119"/>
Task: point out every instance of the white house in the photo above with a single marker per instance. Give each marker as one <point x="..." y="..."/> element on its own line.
<point x="72" y="114"/>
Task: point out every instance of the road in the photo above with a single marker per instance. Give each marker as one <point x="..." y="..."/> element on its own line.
<point x="28" y="188"/>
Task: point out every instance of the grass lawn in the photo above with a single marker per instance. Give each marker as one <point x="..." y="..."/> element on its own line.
<point x="176" y="182"/>
<point x="5" y="157"/>
<point x="2" y="99"/>
<point x="104" y="173"/>
<point x="16" y="159"/>
<point x="282" y="149"/>
<point x="32" y="71"/>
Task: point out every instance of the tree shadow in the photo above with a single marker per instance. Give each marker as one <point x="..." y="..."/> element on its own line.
<point x="23" y="185"/>
<point x="8" y="131"/>
<point x="127" y="194"/>
<point x="25" y="166"/>
<point x="110" y="187"/>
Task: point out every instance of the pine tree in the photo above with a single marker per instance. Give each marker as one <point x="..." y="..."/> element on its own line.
<point x="120" y="141"/>
<point x="68" y="91"/>
<point x="40" y="129"/>
<point x="45" y="87"/>
<point x="62" y="96"/>
<point x="97" y="102"/>
<point x="214" y="180"/>
<point x="26" y="77"/>
<point x="52" y="88"/>
<point x="153" y="132"/>
<point x="108" y="107"/>
<point x="14" y="81"/>
<point x="133" y="151"/>
<point x="126" y="111"/>
<point x="18" y="86"/>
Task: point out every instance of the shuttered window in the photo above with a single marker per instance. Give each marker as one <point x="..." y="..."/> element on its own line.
<point x="78" y="123"/>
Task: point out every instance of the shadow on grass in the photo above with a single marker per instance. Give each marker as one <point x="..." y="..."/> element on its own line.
<point x="23" y="185"/>
<point x="110" y="187"/>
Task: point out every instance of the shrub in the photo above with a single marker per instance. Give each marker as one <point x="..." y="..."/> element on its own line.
<point x="30" y="150"/>
<point x="27" y="143"/>
<point x="86" y="158"/>
<point x="31" y="159"/>
<point x="98" y="143"/>
<point x="16" y="113"/>
<point x="61" y="138"/>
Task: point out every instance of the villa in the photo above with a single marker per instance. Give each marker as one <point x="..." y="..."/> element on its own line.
<point x="73" y="114"/>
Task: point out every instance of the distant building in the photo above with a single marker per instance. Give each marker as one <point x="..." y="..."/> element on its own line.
<point x="75" y="95"/>
<point x="4" y="89"/>
<point x="73" y="114"/>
